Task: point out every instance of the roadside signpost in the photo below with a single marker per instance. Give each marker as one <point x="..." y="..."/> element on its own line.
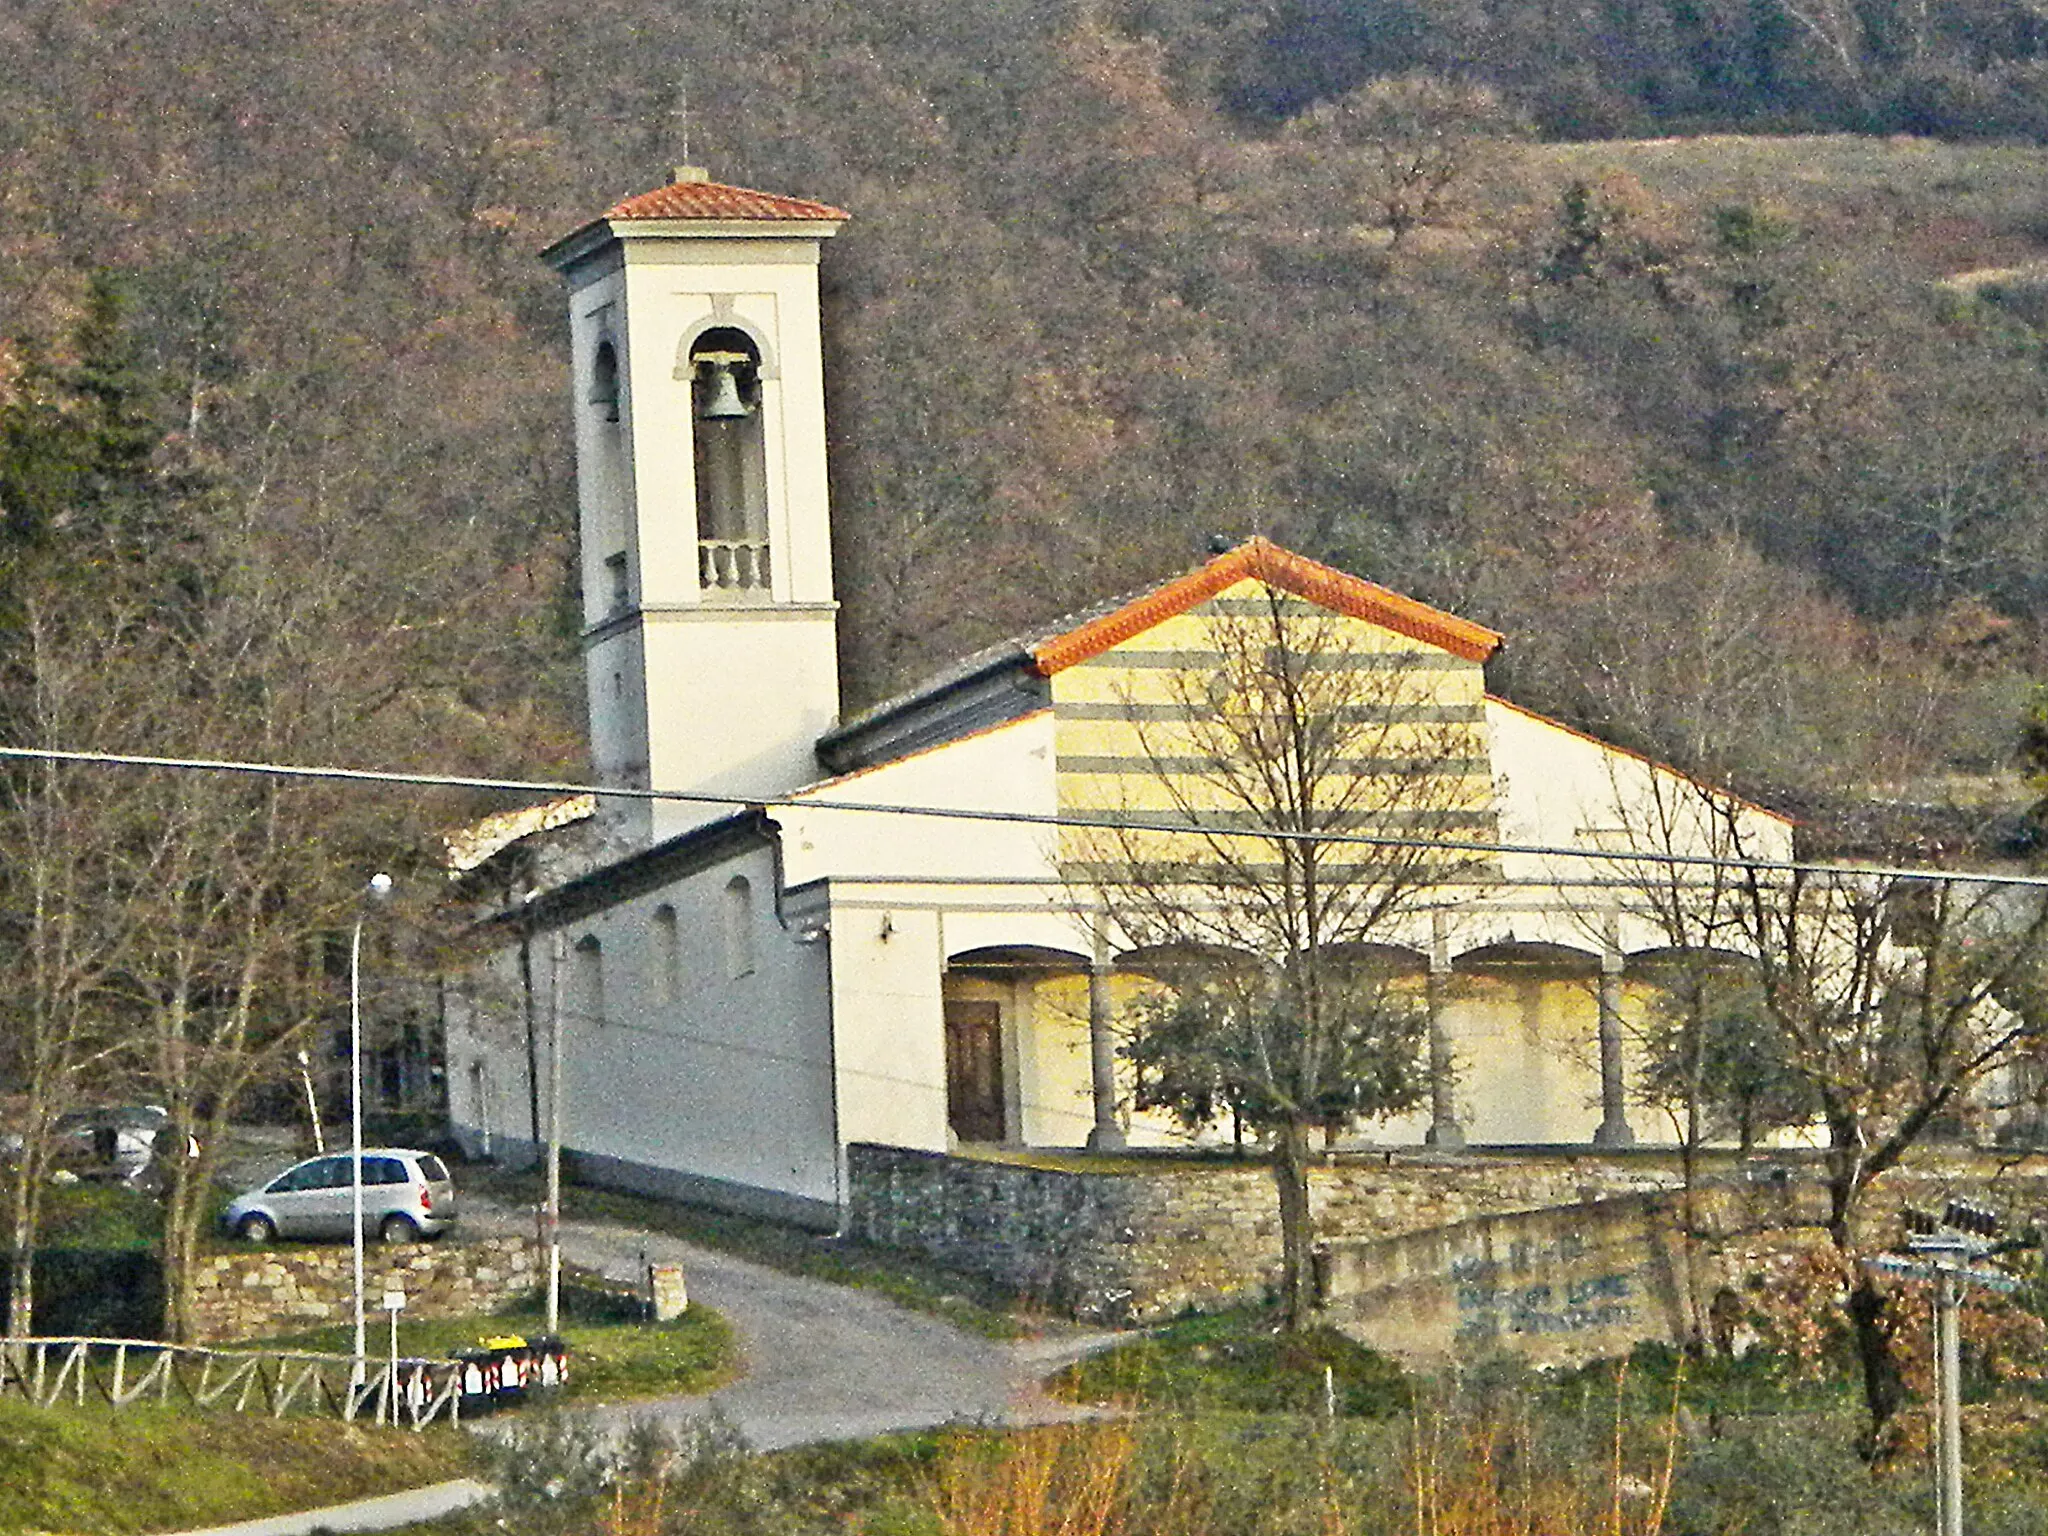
<point x="394" y="1303"/>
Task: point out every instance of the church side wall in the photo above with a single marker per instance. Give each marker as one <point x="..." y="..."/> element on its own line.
<point x="697" y="1053"/>
<point x="489" y="1112"/>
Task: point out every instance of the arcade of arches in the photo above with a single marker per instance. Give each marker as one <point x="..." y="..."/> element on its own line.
<point x="1530" y="1043"/>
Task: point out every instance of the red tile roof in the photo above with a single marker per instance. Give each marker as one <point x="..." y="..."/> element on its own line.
<point x="713" y="200"/>
<point x="1263" y="560"/>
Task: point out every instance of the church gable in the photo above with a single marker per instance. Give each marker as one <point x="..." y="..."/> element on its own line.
<point x="1172" y="717"/>
<point x="1265" y="562"/>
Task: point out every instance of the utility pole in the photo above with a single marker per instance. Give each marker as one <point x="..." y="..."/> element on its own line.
<point x="377" y="890"/>
<point x="554" y="1218"/>
<point x="1942" y="1250"/>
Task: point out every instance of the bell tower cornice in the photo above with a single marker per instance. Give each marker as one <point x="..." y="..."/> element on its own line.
<point x="694" y="207"/>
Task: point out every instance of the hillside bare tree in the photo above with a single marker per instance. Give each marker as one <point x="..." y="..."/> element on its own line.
<point x="1286" y="751"/>
<point x="61" y="936"/>
<point x="162" y="932"/>
<point x="1401" y="149"/>
<point x="1877" y="1004"/>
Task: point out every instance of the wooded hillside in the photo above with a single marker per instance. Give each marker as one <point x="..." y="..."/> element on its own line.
<point x="1716" y="429"/>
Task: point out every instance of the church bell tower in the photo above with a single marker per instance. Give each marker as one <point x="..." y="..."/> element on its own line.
<point x="709" y="635"/>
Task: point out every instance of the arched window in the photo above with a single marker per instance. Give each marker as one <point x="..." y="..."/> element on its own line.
<point x="668" y="957"/>
<point x="739" y="927"/>
<point x="604" y="382"/>
<point x="607" y="488"/>
<point x="731" y="461"/>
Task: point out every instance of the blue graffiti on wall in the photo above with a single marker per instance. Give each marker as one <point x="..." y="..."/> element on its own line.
<point x="1492" y="1300"/>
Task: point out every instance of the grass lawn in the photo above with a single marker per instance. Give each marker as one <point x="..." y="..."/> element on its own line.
<point x="154" y="1469"/>
<point x="608" y="1360"/>
<point x="1238" y="1362"/>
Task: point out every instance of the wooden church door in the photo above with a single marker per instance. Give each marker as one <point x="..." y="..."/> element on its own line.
<point x="974" y="1069"/>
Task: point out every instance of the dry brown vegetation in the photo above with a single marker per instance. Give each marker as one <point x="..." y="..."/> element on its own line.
<point x="1739" y="482"/>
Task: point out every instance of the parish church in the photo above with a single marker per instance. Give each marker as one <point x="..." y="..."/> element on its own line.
<point x="779" y="931"/>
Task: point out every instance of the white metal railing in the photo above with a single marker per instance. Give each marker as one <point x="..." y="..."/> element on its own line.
<point x="732" y="565"/>
<point x="122" y="1371"/>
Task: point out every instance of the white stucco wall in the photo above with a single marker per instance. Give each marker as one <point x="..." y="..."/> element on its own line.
<point x="721" y="1075"/>
<point x="1560" y="788"/>
<point x="1007" y="768"/>
<point x="737" y="697"/>
<point x="888" y="1023"/>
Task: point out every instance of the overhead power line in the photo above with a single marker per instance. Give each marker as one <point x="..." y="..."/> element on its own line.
<point x="559" y="788"/>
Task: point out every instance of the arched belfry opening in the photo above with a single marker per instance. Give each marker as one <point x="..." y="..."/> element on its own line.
<point x="604" y="383"/>
<point x="731" y="462"/>
<point x="606" y="494"/>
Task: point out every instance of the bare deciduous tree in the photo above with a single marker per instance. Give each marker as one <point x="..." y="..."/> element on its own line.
<point x="1284" y="750"/>
<point x="1880" y="1002"/>
<point x="63" y="929"/>
<point x="1710" y="1066"/>
<point x="1404" y="146"/>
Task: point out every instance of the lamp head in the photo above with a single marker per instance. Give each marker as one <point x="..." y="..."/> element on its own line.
<point x="380" y="886"/>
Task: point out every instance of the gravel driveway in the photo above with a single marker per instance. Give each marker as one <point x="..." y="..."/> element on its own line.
<point x="823" y="1361"/>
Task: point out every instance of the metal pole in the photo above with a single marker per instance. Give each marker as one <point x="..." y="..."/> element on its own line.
<point x="394" y="1365"/>
<point x="312" y="1104"/>
<point x="378" y="888"/>
<point x="554" y="1223"/>
<point x="355" y="1135"/>
<point x="1948" y="1372"/>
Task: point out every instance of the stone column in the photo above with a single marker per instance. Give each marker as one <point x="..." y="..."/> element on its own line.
<point x="1106" y="1135"/>
<point x="1614" y="1128"/>
<point x="1444" y="1133"/>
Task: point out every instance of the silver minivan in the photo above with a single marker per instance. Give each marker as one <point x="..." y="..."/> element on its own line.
<point x="407" y="1194"/>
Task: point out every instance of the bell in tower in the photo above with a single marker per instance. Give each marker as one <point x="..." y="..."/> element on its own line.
<point x="731" y="466"/>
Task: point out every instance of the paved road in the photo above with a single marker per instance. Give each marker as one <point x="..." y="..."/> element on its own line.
<point x="822" y="1362"/>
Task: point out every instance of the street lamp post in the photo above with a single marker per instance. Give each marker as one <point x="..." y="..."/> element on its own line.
<point x="378" y="888"/>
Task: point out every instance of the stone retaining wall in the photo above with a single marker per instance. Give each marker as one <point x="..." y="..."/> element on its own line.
<point x="1563" y="1286"/>
<point x="1140" y="1239"/>
<point x="1560" y="1286"/>
<point x="288" y="1289"/>
<point x="1139" y="1242"/>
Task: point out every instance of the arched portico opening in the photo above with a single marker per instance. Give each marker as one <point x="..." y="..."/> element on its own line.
<point x="1529" y="1062"/>
<point x="1001" y="1003"/>
<point x="1521" y="957"/>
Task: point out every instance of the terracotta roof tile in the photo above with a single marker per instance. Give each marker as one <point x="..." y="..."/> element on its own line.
<point x="1263" y="560"/>
<point x="1078" y="636"/>
<point x="713" y="200"/>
